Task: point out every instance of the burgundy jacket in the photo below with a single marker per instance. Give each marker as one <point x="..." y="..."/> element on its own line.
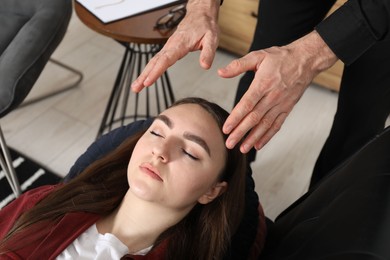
<point x="71" y="226"/>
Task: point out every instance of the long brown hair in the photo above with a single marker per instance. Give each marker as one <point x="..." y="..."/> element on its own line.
<point x="204" y="233"/>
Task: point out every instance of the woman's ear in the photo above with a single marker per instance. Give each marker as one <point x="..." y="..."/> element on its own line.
<point x="213" y="192"/>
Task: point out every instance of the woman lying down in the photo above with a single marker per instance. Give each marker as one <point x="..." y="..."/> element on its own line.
<point x="171" y="192"/>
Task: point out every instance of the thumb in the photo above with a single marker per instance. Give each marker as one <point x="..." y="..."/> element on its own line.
<point x="251" y="61"/>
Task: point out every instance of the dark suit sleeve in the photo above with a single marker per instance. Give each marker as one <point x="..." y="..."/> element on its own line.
<point x="356" y="26"/>
<point x="105" y="144"/>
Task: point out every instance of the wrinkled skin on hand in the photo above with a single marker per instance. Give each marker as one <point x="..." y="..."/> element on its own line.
<point x="282" y="74"/>
<point x="197" y="31"/>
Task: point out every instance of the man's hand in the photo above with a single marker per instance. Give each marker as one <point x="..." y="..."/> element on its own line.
<point x="197" y="31"/>
<point x="282" y="74"/>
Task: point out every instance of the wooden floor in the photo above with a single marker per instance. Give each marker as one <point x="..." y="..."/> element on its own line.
<point x="56" y="131"/>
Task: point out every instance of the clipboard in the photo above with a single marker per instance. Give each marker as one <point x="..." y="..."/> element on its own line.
<point x="112" y="10"/>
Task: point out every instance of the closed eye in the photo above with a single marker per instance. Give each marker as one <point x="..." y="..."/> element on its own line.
<point x="184" y="151"/>
<point x="190" y="155"/>
<point x="155" y="133"/>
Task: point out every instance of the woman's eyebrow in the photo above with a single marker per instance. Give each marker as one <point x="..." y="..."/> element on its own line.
<point x="166" y="120"/>
<point x="198" y="140"/>
<point x="191" y="137"/>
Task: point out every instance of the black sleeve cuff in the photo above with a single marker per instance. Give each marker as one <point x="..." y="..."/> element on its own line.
<point x="347" y="32"/>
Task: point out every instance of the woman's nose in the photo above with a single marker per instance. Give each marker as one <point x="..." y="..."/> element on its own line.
<point x="161" y="152"/>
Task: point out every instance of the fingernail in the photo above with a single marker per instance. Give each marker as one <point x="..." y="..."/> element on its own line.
<point x="245" y="148"/>
<point x="231" y="143"/>
<point x="146" y="81"/>
<point x="135" y="87"/>
<point x="222" y="70"/>
<point x="228" y="129"/>
<point x="259" y="146"/>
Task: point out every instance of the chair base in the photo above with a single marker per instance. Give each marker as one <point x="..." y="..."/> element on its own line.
<point x="7" y="166"/>
<point x="5" y="157"/>
<point x="65" y="88"/>
<point x="124" y="106"/>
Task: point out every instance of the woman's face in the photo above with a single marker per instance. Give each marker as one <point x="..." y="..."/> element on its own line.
<point x="176" y="163"/>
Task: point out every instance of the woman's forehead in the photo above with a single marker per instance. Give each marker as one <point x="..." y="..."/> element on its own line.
<point x="193" y="118"/>
<point x="191" y="115"/>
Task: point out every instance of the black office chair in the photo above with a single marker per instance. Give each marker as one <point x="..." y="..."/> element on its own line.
<point x="345" y="217"/>
<point x="30" y="32"/>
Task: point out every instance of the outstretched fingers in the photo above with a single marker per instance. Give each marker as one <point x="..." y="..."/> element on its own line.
<point x="257" y="127"/>
<point x="208" y="50"/>
<point x="263" y="133"/>
<point x="156" y="67"/>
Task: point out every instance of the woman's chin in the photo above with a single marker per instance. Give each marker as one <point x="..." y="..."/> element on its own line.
<point x="144" y="189"/>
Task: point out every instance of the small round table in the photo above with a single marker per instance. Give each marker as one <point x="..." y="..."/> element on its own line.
<point x="141" y="42"/>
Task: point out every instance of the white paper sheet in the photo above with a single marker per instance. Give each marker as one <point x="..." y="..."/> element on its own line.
<point x="112" y="10"/>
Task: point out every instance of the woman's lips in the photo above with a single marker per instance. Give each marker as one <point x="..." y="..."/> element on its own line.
<point x="151" y="171"/>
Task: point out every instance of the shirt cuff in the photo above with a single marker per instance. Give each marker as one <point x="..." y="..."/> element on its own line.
<point x="345" y="34"/>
